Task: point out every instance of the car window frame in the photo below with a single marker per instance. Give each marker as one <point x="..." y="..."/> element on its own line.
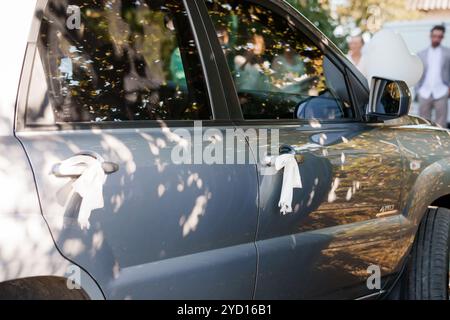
<point x="303" y="25"/>
<point x="216" y="102"/>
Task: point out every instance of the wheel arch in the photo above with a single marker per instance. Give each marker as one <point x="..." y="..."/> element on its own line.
<point x="442" y="202"/>
<point x="430" y="188"/>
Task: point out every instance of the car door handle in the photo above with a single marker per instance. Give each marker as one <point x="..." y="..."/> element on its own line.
<point x="75" y="166"/>
<point x="287" y="149"/>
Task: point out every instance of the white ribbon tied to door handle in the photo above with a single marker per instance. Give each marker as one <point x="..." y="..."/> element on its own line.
<point x="291" y="180"/>
<point x="89" y="184"/>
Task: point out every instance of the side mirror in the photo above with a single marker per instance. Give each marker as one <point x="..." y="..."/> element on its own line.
<point x="389" y="99"/>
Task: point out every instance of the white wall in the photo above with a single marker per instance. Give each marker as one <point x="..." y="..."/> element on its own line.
<point x="417" y="33"/>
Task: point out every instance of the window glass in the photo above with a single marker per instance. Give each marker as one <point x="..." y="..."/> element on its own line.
<point x="120" y="60"/>
<point x="278" y="72"/>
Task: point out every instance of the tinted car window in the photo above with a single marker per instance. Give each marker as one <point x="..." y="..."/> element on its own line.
<point x="278" y="71"/>
<point x="120" y="61"/>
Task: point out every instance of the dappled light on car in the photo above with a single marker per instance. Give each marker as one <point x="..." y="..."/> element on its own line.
<point x="118" y="151"/>
<point x="190" y="223"/>
<point x="117" y="201"/>
<point x="363" y="252"/>
<point x="97" y="242"/>
<point x="73" y="247"/>
<point x="315" y="124"/>
<point x="161" y="190"/>
<point x="332" y="194"/>
<point x="334" y="178"/>
<point x="313" y="193"/>
<point x="15" y="193"/>
<point x="27" y="247"/>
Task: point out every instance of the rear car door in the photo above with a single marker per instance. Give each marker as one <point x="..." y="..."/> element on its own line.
<point x="345" y="218"/>
<point x="123" y="84"/>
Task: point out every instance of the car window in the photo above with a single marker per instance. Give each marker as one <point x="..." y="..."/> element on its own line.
<point x="278" y="71"/>
<point x="107" y="61"/>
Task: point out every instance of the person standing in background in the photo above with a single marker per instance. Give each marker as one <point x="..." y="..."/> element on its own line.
<point x="251" y="68"/>
<point x="433" y="88"/>
<point x="355" y="53"/>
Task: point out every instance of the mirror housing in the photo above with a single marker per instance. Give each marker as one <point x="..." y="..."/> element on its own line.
<point x="389" y="99"/>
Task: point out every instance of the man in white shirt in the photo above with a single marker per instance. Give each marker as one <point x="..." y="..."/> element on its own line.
<point x="433" y="88"/>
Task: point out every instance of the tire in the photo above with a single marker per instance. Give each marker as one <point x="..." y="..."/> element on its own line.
<point x="39" y="288"/>
<point x="428" y="269"/>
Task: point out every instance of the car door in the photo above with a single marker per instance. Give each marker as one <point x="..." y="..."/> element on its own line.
<point x="293" y="96"/>
<point x="120" y="89"/>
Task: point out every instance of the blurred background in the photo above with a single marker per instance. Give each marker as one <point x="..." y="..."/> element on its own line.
<point x="341" y="19"/>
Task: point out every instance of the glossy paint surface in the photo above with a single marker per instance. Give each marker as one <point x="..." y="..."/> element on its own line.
<point x="215" y="231"/>
<point x="165" y="228"/>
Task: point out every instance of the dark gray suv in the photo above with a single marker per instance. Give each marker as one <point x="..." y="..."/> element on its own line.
<point x="104" y="107"/>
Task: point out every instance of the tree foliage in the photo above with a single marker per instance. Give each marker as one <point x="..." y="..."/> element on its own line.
<point x="319" y="13"/>
<point x="370" y="15"/>
<point x="352" y="16"/>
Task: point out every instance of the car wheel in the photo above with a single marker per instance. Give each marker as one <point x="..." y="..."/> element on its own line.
<point x="428" y="269"/>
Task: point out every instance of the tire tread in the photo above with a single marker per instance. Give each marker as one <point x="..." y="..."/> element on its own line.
<point x="429" y="264"/>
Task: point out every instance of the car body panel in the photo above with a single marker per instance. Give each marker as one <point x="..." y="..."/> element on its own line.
<point x="12" y="57"/>
<point x="27" y="249"/>
<point x="338" y="227"/>
<point x="158" y="215"/>
<point x="26" y="246"/>
<point x="154" y="211"/>
<point x="426" y="153"/>
<point x="133" y="254"/>
<point x="352" y="173"/>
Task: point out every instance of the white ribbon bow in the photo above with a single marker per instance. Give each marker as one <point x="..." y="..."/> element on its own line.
<point x="291" y="180"/>
<point x="89" y="185"/>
